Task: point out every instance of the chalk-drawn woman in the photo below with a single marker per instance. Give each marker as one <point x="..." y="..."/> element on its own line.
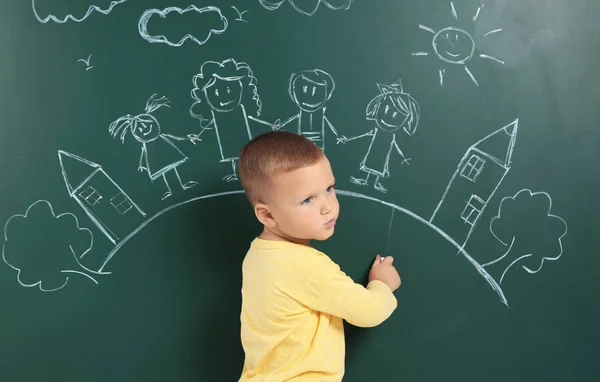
<point x="310" y="90"/>
<point x="391" y="110"/>
<point x="226" y="96"/>
<point x="159" y="154"/>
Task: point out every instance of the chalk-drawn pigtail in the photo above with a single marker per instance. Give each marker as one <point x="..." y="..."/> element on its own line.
<point x="155" y="103"/>
<point x="122" y="126"/>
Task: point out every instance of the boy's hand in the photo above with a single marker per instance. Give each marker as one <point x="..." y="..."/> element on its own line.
<point x="383" y="270"/>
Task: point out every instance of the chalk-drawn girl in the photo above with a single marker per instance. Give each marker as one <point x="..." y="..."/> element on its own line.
<point x="159" y="153"/>
<point x="391" y="110"/>
<point x="225" y="97"/>
<point x="310" y="90"/>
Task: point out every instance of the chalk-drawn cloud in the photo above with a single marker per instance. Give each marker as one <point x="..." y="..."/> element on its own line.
<point x="45" y="248"/>
<point x="91" y="9"/>
<point x="308" y="7"/>
<point x="200" y="40"/>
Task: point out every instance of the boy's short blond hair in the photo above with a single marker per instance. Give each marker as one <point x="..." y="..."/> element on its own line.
<point x="270" y="154"/>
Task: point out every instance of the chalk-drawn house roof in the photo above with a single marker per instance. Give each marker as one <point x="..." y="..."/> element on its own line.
<point x="76" y="170"/>
<point x="499" y="145"/>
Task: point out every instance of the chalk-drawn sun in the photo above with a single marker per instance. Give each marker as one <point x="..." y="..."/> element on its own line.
<point x="455" y="46"/>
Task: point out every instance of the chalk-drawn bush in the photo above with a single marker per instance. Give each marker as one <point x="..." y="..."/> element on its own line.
<point x="45" y="248"/>
<point x="532" y="234"/>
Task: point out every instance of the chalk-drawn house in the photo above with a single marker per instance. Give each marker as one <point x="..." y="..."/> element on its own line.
<point x="105" y="203"/>
<point x="478" y="175"/>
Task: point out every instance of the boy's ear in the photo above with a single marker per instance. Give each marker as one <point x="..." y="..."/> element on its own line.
<point x="263" y="215"/>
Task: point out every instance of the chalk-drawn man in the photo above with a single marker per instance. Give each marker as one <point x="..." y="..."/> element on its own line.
<point x="159" y="154"/>
<point x="310" y="90"/>
<point x="226" y="96"/>
<point x="391" y="110"/>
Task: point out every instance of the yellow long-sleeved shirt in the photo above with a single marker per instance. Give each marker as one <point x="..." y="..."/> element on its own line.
<point x="294" y="299"/>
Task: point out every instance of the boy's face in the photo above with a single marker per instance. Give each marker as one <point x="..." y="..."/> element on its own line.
<point x="302" y="203"/>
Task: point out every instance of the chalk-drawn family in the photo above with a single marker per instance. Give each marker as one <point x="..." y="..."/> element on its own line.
<point x="226" y="99"/>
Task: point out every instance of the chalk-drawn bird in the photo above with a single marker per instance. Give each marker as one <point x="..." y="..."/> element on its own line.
<point x="86" y="62"/>
<point x="240" y="14"/>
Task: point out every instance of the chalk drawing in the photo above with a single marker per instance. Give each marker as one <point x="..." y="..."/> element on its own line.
<point x="308" y="7"/>
<point x="159" y="154"/>
<point x="60" y="244"/>
<point x="86" y="62"/>
<point x="466" y="196"/>
<point x="391" y="109"/>
<point x="103" y="201"/>
<point x="145" y="18"/>
<point x="226" y="96"/>
<point x="453" y="45"/>
<point x="90" y="10"/>
<point x="350" y="194"/>
<point x="310" y="90"/>
<point x="240" y="15"/>
<point x="527" y="248"/>
<point x="387" y="247"/>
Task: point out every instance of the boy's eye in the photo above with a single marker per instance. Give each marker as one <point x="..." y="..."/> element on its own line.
<point x="314" y="90"/>
<point x="387" y="108"/>
<point x="305" y="89"/>
<point x="395" y="114"/>
<point x="228" y="90"/>
<point x="217" y="92"/>
<point x="330" y="188"/>
<point x="307" y="200"/>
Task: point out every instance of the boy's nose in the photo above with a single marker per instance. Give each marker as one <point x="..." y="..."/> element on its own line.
<point x="325" y="207"/>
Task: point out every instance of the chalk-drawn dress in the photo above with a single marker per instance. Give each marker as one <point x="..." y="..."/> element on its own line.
<point x="161" y="155"/>
<point x="377" y="158"/>
<point x="233" y="132"/>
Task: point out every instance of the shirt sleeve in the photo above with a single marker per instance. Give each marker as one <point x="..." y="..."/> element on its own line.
<point x="318" y="283"/>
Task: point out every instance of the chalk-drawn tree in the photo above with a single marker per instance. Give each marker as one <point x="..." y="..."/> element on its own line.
<point x="531" y="232"/>
<point x="44" y="248"/>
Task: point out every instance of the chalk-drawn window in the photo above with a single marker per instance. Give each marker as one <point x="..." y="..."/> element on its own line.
<point x="90" y="195"/>
<point x="473" y="167"/>
<point x="121" y="203"/>
<point x="472" y="209"/>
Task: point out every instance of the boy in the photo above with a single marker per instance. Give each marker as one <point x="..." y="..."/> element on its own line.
<point x="294" y="297"/>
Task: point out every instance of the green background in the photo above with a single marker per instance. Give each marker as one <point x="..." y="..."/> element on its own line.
<point x="169" y="309"/>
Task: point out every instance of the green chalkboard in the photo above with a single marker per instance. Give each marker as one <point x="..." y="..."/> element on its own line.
<point x="463" y="136"/>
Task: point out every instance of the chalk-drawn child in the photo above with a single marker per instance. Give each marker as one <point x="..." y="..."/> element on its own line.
<point x="391" y="110"/>
<point x="225" y="97"/>
<point x="295" y="298"/>
<point x="159" y="154"/>
<point x="310" y="90"/>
